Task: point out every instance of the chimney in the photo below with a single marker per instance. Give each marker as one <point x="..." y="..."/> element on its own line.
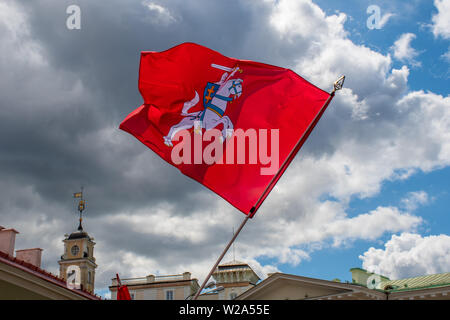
<point x="186" y="276"/>
<point x="7" y="240"/>
<point x="32" y="256"/>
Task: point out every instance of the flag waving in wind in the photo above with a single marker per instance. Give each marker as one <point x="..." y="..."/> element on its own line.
<point x="229" y="124"/>
<point x="122" y="290"/>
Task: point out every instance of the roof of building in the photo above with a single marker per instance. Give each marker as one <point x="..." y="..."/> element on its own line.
<point x="235" y="272"/>
<point x="234" y="266"/>
<point x="432" y="280"/>
<point x="78" y="235"/>
<point x="234" y="263"/>
<point x="277" y="277"/>
<point x="41" y="273"/>
<point x="152" y="280"/>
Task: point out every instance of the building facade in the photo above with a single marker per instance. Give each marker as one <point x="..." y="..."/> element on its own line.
<point x="22" y="278"/>
<point x="364" y="286"/>
<point x="170" y="287"/>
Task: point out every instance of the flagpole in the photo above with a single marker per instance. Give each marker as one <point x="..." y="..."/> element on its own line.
<point x="338" y="84"/>
<point x="118" y="280"/>
<point x="222" y="255"/>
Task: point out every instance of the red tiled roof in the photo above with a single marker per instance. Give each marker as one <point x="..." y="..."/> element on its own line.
<point x="41" y="273"/>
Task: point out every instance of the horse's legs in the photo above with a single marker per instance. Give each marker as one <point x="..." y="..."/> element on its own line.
<point x="184" y="124"/>
<point x="227" y="130"/>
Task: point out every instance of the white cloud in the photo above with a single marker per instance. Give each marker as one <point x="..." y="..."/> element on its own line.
<point x="164" y="221"/>
<point x="17" y="37"/>
<point x="441" y="20"/>
<point x="409" y="255"/>
<point x="305" y="20"/>
<point x="446" y="56"/>
<point x="414" y="200"/>
<point x="162" y="15"/>
<point x="403" y="50"/>
<point x="441" y="23"/>
<point x="371" y="225"/>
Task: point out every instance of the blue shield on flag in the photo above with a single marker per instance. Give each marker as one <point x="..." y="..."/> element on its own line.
<point x="209" y="93"/>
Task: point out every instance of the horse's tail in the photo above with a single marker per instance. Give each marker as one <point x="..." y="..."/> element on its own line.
<point x="189" y="104"/>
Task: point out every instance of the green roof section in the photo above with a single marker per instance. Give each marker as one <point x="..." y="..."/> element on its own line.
<point x="422" y="282"/>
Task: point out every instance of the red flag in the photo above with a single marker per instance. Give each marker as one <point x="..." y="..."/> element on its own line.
<point x="122" y="291"/>
<point x="227" y="123"/>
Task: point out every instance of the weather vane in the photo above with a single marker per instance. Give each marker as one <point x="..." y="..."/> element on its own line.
<point x="81" y="206"/>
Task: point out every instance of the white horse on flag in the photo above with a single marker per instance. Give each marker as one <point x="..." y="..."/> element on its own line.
<point x="215" y="99"/>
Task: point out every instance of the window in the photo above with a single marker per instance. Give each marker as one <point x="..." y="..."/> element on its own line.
<point x="74" y="250"/>
<point x="169" y="295"/>
<point x="89" y="279"/>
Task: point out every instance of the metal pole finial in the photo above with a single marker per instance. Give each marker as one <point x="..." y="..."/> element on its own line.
<point x="339" y="84"/>
<point x="81" y="207"/>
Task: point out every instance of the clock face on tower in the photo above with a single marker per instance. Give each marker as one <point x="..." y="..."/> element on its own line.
<point x="75" y="250"/>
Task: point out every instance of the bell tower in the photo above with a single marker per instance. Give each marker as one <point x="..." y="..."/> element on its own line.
<point x="235" y="277"/>
<point x="78" y="263"/>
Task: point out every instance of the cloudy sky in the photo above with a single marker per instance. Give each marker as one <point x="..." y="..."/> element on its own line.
<point x="369" y="188"/>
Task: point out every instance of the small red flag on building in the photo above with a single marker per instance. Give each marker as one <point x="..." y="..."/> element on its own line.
<point x="122" y="290"/>
<point x="232" y="125"/>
